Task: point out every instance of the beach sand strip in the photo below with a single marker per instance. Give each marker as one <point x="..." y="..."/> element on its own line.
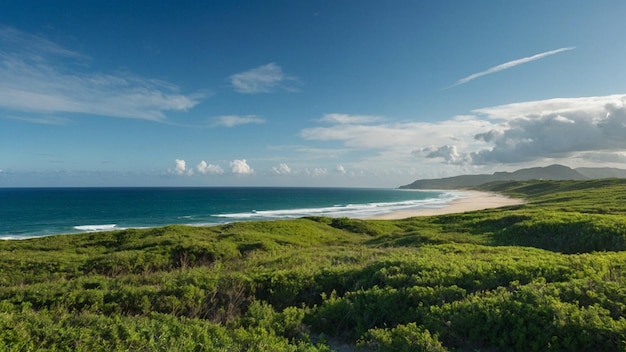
<point x="472" y="200"/>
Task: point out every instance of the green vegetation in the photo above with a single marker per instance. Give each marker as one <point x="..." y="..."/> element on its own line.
<point x="547" y="275"/>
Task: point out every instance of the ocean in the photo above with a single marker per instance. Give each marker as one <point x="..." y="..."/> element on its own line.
<point x="33" y="212"/>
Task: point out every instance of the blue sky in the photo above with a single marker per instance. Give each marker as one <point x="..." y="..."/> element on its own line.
<point x="305" y="93"/>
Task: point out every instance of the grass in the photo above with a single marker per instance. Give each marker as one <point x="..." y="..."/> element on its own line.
<point x="546" y="275"/>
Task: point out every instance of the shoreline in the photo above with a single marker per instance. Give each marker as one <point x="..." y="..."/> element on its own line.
<point x="464" y="200"/>
<point x="471" y="201"/>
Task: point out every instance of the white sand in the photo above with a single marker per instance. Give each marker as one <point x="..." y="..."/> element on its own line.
<point x="472" y="200"/>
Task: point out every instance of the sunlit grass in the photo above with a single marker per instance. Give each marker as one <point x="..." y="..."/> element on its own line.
<point x="544" y="275"/>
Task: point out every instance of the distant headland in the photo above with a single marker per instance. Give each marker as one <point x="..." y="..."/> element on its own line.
<point x="552" y="172"/>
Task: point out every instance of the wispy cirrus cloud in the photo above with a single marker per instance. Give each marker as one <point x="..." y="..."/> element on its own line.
<point x="32" y="46"/>
<point x="399" y="136"/>
<point x="40" y="76"/>
<point x="349" y="119"/>
<point x="263" y="79"/>
<point x="510" y="64"/>
<point x="234" y="120"/>
<point x="42" y="120"/>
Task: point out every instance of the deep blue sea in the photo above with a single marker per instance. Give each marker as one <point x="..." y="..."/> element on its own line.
<point x="32" y="212"/>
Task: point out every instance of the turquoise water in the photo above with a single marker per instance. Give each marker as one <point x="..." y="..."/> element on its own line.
<point x="31" y="212"/>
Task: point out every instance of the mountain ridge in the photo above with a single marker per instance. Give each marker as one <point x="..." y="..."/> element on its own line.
<point x="551" y="172"/>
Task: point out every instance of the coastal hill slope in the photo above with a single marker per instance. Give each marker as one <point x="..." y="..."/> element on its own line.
<point x="545" y="275"/>
<point x="552" y="172"/>
<point x="601" y="172"/>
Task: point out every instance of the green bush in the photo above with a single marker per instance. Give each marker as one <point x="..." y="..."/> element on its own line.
<point x="469" y="281"/>
<point x="402" y="338"/>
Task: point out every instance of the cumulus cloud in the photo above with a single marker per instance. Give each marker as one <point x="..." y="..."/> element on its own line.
<point x="181" y="168"/>
<point x="240" y="167"/>
<point x="38" y="75"/>
<point x="340" y="170"/>
<point x="316" y="172"/>
<point x="209" y="169"/>
<point x="509" y="64"/>
<point x="233" y="120"/>
<point x="586" y="128"/>
<point x="448" y="153"/>
<point x="262" y="79"/>
<point x="554" y="135"/>
<point x="282" y="169"/>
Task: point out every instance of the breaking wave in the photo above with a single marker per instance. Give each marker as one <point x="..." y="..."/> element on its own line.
<point x="96" y="228"/>
<point x="348" y="210"/>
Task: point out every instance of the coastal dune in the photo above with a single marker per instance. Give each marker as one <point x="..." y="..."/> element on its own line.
<point x="472" y="200"/>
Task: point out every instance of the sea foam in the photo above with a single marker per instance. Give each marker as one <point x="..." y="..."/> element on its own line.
<point x="348" y="210"/>
<point x="95" y="228"/>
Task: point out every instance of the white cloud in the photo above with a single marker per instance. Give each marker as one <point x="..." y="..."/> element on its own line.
<point x="311" y="153"/>
<point x="589" y="128"/>
<point x="386" y="150"/>
<point x="368" y="145"/>
<point x="181" y="168"/>
<point x="282" y="169"/>
<point x="399" y="135"/>
<point x="240" y="167"/>
<point x="586" y="105"/>
<point x="316" y="172"/>
<point x="34" y="46"/>
<point x="586" y="128"/>
<point x="448" y="153"/>
<point x="209" y="169"/>
<point x="37" y="75"/>
<point x="42" y="120"/>
<point x="262" y="79"/>
<point x="340" y="169"/>
<point x="181" y="165"/>
<point x="233" y="120"/>
<point x="349" y="119"/>
<point x="509" y="64"/>
<point x="555" y="135"/>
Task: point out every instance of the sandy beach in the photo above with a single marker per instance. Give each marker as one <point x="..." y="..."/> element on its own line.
<point x="472" y="200"/>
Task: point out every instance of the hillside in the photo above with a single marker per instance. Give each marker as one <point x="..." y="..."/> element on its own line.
<point x="546" y="275"/>
<point x="603" y="172"/>
<point x="552" y="172"/>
